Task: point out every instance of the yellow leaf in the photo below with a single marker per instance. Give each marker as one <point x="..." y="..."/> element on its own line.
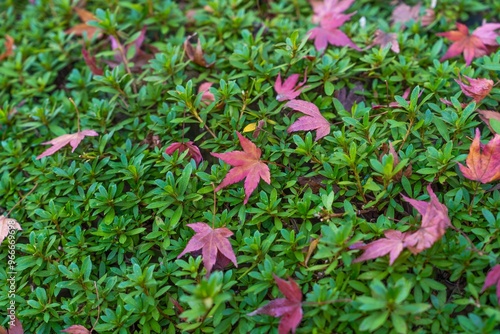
<point x="250" y="127"/>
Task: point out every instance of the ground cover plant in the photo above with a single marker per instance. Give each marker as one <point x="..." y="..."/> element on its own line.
<point x="231" y="166"/>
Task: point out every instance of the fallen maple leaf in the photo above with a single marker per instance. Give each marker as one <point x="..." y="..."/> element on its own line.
<point x="392" y="244"/>
<point x="212" y="242"/>
<point x="493" y="277"/>
<point x="487" y="115"/>
<point x="481" y="42"/>
<point x="403" y="13"/>
<point x="483" y="161"/>
<point x="246" y="165"/>
<point x="195" y="55"/>
<point x="435" y="221"/>
<point x="288" y="90"/>
<point x="193" y="150"/>
<point x="6" y="225"/>
<point x="329" y="8"/>
<point x="15" y="328"/>
<point x="83" y="28"/>
<point x="72" y="139"/>
<point x="91" y="62"/>
<point x="312" y="121"/>
<point x="139" y="57"/>
<point x="206" y="96"/>
<point x="478" y="89"/>
<point x="288" y="308"/>
<point x="349" y="97"/>
<point x="9" y="47"/>
<point x="328" y="33"/>
<point x="76" y="329"/>
<point x="383" y="39"/>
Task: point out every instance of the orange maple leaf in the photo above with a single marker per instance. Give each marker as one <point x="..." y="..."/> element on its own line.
<point x="483" y="161"/>
<point x="246" y="165"/>
<point x="82" y="28"/>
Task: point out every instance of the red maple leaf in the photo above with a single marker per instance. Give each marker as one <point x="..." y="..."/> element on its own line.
<point x="193" y="150"/>
<point x="246" y="165"/>
<point x="76" y="329"/>
<point x="288" y="308"/>
<point x="478" y="89"/>
<point x="492" y="278"/>
<point x="72" y="139"/>
<point x="212" y="242"/>
<point x="289" y="89"/>
<point x="483" y="161"/>
<point x="7" y="225"/>
<point x="91" y="62"/>
<point x="383" y="39"/>
<point x="435" y="220"/>
<point x="328" y="33"/>
<point x="481" y="42"/>
<point x="313" y="120"/>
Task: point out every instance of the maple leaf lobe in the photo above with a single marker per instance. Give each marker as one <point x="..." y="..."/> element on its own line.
<point x="73" y="139"/>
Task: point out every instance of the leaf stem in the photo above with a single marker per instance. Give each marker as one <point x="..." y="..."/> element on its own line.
<point x="77" y="113"/>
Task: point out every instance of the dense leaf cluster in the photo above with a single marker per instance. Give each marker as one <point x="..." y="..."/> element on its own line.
<point x="102" y="227"/>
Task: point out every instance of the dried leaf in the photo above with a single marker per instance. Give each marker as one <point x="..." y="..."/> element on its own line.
<point x="73" y="139"/>
<point x="483" y="161"/>
<point x="6" y="225"/>
<point x="288" y="308"/>
<point x="76" y="329"/>
<point x="474" y="45"/>
<point x="195" y="55"/>
<point x="83" y="28"/>
<point x="312" y="121"/>
<point x="478" y="89"/>
<point x="493" y="278"/>
<point x="152" y="140"/>
<point x="193" y="150"/>
<point x="288" y="90"/>
<point x="246" y="165"/>
<point x="91" y="62"/>
<point x="9" y="47"/>
<point x="212" y="242"/>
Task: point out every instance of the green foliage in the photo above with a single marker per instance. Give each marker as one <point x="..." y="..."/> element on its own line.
<point x="103" y="225"/>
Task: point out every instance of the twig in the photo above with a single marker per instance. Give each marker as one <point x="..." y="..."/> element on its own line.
<point x="98" y="308"/>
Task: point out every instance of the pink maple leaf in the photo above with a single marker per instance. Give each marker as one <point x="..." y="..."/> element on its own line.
<point x="313" y="120"/>
<point x="212" y="242"/>
<point x="481" y="42"/>
<point x="435" y="221"/>
<point x="392" y="244"/>
<point x="6" y="225"/>
<point x="492" y="278"/>
<point x="246" y="165"/>
<point x="478" y="89"/>
<point x="193" y="150"/>
<point x="483" y="161"/>
<point x="328" y="8"/>
<point x="73" y="139"/>
<point x="288" y="90"/>
<point x="328" y="33"/>
<point x="206" y="96"/>
<point x="383" y="39"/>
<point x="288" y="308"/>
